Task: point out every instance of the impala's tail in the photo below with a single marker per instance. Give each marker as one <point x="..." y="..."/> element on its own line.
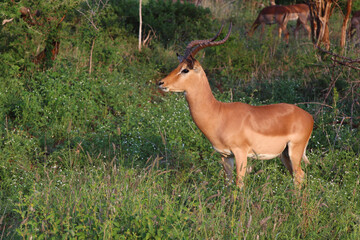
<point x="305" y="159"/>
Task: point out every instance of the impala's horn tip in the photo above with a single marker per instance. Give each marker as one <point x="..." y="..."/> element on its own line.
<point x="194" y="46"/>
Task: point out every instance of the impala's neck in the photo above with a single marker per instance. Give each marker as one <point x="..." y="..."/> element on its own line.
<point x="204" y="108"/>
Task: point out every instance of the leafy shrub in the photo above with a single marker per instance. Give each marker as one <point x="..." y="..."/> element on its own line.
<point x="171" y="22"/>
<point x="177" y="22"/>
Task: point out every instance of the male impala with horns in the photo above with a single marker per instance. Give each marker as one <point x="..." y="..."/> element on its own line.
<point x="238" y="130"/>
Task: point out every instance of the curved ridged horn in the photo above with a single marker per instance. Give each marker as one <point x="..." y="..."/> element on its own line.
<point x="197" y="42"/>
<point x="190" y="50"/>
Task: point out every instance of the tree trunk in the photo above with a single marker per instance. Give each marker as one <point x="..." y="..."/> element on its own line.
<point x="91" y="55"/>
<point x="140" y="25"/>
<point x="344" y="26"/>
<point x="320" y="12"/>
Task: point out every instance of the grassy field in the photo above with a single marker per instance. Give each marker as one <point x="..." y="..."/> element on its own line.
<point x="106" y="155"/>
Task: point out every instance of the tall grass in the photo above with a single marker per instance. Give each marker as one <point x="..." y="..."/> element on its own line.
<point x="108" y="200"/>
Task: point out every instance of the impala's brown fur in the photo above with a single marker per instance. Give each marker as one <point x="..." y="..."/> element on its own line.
<point x="238" y="130"/>
<point x="281" y="15"/>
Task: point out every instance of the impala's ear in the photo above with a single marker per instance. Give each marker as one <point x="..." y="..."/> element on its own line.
<point x="190" y="61"/>
<point x="179" y="57"/>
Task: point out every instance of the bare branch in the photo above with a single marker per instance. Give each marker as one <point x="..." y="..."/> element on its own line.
<point x="5" y="21"/>
<point x="316" y="103"/>
<point x="91" y="54"/>
<point x="90" y="20"/>
<point x="346" y="61"/>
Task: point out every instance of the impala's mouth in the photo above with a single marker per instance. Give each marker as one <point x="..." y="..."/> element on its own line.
<point x="164" y="89"/>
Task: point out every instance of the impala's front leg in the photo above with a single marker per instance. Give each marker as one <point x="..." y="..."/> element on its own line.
<point x="262" y="30"/>
<point x="241" y="163"/>
<point x="228" y="165"/>
<point x="285" y="31"/>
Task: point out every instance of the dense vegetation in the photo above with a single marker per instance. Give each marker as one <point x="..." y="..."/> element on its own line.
<point x="89" y="148"/>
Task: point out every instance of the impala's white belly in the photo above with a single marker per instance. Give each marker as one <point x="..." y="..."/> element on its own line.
<point x="253" y="154"/>
<point x="260" y="147"/>
<point x="262" y="156"/>
<point x="293" y="16"/>
<point x="224" y="152"/>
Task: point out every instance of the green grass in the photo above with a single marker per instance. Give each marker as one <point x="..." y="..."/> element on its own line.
<point x="128" y="162"/>
<point x="109" y="200"/>
<point x="108" y="156"/>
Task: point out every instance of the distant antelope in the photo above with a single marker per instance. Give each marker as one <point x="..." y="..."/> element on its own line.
<point x="281" y="15"/>
<point x="355" y="26"/>
<point x="238" y="130"/>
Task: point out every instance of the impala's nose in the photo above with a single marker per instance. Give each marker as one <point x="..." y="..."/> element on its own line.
<point x="160" y="83"/>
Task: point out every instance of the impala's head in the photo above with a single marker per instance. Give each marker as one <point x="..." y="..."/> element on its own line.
<point x="182" y="77"/>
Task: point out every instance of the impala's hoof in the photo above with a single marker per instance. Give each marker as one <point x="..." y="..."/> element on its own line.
<point x="240" y="184"/>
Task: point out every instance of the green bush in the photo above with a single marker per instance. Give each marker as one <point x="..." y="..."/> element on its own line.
<point x="172" y="22"/>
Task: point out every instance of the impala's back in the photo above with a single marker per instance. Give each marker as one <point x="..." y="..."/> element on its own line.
<point x="297" y="11"/>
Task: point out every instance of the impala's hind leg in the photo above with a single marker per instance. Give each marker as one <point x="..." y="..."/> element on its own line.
<point x="302" y="23"/>
<point x="296" y="152"/>
<point x="297" y="28"/>
<point x="241" y="163"/>
<point x="286" y="160"/>
<point x="228" y="165"/>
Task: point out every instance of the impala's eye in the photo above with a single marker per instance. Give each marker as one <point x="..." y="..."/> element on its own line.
<point x="185" y="70"/>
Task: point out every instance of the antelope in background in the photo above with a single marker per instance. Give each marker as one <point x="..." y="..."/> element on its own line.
<point x="237" y="130"/>
<point x="355" y="26"/>
<point x="281" y="15"/>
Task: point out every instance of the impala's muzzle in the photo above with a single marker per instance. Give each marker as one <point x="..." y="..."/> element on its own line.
<point x="160" y="84"/>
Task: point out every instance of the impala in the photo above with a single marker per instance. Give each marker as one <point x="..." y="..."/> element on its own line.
<point x="281" y="15"/>
<point x="355" y="26"/>
<point x="238" y="130"/>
